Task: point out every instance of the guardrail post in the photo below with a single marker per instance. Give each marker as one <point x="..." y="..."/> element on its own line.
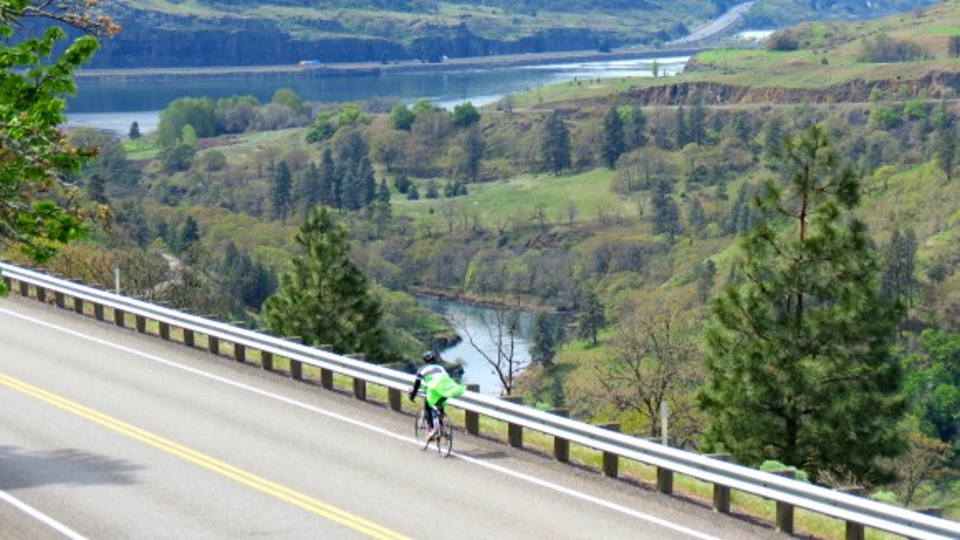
<point x="266" y="360"/>
<point x="41" y="293"/>
<point x="8" y="282"/>
<point x="561" y="446"/>
<point x="611" y="461"/>
<point x="359" y="385"/>
<point x="189" y="338"/>
<point x="118" y="317"/>
<point x="395" y="397"/>
<point x="141" y="324"/>
<point x="721" y="493"/>
<point x="98" y="312"/>
<point x="24" y="289"/>
<point x="296" y="366"/>
<point x="785" y="510"/>
<point x="240" y="352"/>
<point x="855" y="531"/>
<point x="213" y="345"/>
<point x="471" y="419"/>
<point x="164" y="331"/>
<point x="78" y="305"/>
<point x="514" y="431"/>
<point x="60" y="299"/>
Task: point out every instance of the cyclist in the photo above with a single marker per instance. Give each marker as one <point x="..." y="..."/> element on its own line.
<point x="439" y="386"/>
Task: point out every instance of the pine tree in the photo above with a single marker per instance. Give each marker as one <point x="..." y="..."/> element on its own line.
<point x="548" y="334"/>
<point x="682" y="133"/>
<point x="306" y="190"/>
<point x="324" y="298"/>
<point x="134" y="133"/>
<point x="697" y="122"/>
<point x="666" y="215"/>
<point x="555" y="144"/>
<point x="280" y="191"/>
<point x="592" y="317"/>
<point x="612" y="143"/>
<point x="799" y="352"/>
<point x="329" y="180"/>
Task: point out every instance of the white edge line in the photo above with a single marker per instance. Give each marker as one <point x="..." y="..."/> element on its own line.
<point x="40" y="516"/>
<point x="357" y="423"/>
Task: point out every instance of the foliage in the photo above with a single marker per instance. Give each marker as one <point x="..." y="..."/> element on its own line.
<point x="883" y="48"/>
<point x="555" y="144"/>
<point x="324" y="299"/>
<point x="799" y="354"/>
<point x="35" y="210"/>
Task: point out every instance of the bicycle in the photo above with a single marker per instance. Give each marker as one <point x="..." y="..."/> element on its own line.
<point x="443" y="437"/>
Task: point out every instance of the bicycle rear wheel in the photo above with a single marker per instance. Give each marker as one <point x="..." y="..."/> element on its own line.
<point x="445" y="438"/>
<point x="420" y="429"/>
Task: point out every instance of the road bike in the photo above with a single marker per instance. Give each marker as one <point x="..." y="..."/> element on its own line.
<point x="443" y="436"/>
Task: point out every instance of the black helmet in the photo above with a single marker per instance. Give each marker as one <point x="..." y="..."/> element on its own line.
<point x="430" y="356"/>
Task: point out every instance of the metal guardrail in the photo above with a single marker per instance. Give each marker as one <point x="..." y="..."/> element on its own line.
<point x="859" y="513"/>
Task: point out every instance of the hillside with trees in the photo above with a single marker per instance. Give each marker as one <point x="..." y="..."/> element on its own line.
<point x="763" y="257"/>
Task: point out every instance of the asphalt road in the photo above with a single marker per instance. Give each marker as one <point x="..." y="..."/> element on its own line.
<point x="108" y="434"/>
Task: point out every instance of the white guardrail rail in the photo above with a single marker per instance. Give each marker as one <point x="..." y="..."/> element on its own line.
<point x="859" y="513"/>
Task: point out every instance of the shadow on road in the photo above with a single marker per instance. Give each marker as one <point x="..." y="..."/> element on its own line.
<point x="64" y="467"/>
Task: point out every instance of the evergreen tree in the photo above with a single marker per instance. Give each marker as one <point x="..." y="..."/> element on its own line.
<point x="697" y="217"/>
<point x="592" y="317"/>
<point x="612" y="143"/>
<point x="280" y="191"/>
<point x="97" y="188"/>
<point x="799" y="352"/>
<point x="555" y="144"/>
<point x="682" y="133"/>
<point x="947" y="149"/>
<point x="324" y="299"/>
<point x="636" y="128"/>
<point x="899" y="261"/>
<point x="474" y="148"/>
<point x="548" y="334"/>
<point x="189" y="234"/>
<point x="666" y="215"/>
<point x="306" y="190"/>
<point x="329" y="180"/>
<point x="134" y="133"/>
<point x="697" y="122"/>
<point x="706" y="277"/>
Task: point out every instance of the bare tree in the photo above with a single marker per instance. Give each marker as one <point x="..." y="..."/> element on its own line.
<point x="655" y="361"/>
<point x="496" y="342"/>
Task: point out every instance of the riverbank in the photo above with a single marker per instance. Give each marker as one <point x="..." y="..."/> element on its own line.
<point x="375" y="68"/>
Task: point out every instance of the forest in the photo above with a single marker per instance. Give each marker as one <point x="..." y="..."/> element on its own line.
<point x="668" y="246"/>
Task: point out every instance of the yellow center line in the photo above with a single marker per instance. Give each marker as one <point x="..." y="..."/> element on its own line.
<point x="270" y="488"/>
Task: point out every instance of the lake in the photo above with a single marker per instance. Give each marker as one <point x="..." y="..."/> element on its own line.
<point x="115" y="103"/>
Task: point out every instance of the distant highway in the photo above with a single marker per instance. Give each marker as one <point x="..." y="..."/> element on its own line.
<point x="105" y="433"/>
<point x="717" y="26"/>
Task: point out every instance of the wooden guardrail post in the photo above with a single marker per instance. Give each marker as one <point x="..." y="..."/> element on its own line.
<point x="118" y="317"/>
<point x="78" y="305"/>
<point x="213" y="345"/>
<point x="164" y="330"/>
<point x="359" y="385"/>
<point x="561" y="446"/>
<point x="514" y="431"/>
<point x="664" y="475"/>
<point x="785" y="511"/>
<point x="60" y="299"/>
<point x="855" y="531"/>
<point x="24" y="289"/>
<point x="611" y="461"/>
<point x="41" y="293"/>
<point x="296" y="366"/>
<point x="98" y="312"/>
<point x="471" y="419"/>
<point x="189" y="338"/>
<point x="721" y="493"/>
<point x="240" y="352"/>
<point x="141" y="324"/>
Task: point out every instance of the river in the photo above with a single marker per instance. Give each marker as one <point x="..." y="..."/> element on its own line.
<point x="115" y="103"/>
<point x="470" y="319"/>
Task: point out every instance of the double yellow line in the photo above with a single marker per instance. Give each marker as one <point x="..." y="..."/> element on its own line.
<point x="270" y="488"/>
